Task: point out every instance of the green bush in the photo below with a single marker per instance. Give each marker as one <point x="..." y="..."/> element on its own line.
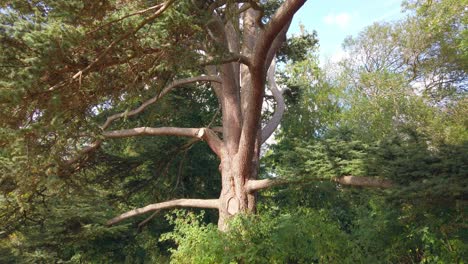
<point x="305" y="236"/>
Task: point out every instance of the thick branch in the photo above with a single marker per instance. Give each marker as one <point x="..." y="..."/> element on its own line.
<point x="215" y="143"/>
<point x="152" y="131"/>
<point x="256" y="185"/>
<point x="161" y="94"/>
<point x="275" y="26"/>
<point x="195" y="203"/>
<point x="203" y="133"/>
<point x="233" y="57"/>
<point x="277" y="43"/>
<point x="257" y="70"/>
<point x="275" y="120"/>
<point x="364" y="181"/>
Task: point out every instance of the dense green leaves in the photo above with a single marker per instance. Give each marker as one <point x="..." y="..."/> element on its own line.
<point x="304" y="236"/>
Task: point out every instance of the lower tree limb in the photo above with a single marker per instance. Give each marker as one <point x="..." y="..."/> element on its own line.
<point x="193" y="203"/>
<point x="256" y="185"/>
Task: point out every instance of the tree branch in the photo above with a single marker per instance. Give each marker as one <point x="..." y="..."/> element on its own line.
<point x="358" y="181"/>
<point x="158" y="6"/>
<point x="275" y="120"/>
<point x="152" y="131"/>
<point x="215" y="143"/>
<point x="257" y="70"/>
<point x="203" y="133"/>
<point x="153" y="100"/>
<point x="195" y="203"/>
<point x="158" y="12"/>
<point x="275" y="26"/>
<point x="364" y="181"/>
<point x="232" y="58"/>
<point x="276" y="45"/>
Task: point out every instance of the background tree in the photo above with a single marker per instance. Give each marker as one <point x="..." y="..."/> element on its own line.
<point x="387" y="123"/>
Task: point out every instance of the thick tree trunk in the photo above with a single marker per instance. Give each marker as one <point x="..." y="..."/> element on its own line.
<point x="235" y="198"/>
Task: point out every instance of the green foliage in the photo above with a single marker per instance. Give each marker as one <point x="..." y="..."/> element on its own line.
<point x="323" y="160"/>
<point x="303" y="236"/>
<point x="297" y="48"/>
<point x="398" y="113"/>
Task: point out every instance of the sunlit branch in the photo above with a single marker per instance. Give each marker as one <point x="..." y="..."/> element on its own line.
<point x="358" y="181"/>
<point x="275" y="120"/>
<point x="194" y="203"/>
<point x="203" y="133"/>
<point x="153" y="100"/>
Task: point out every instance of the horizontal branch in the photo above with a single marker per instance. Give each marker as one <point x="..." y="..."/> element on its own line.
<point x="358" y="181"/>
<point x="364" y="181"/>
<point x="232" y="58"/>
<point x="161" y="94"/>
<point x="202" y="133"/>
<point x="194" y="203"/>
<point x="152" y="131"/>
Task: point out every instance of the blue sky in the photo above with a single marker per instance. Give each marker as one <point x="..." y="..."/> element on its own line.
<point x="335" y="19"/>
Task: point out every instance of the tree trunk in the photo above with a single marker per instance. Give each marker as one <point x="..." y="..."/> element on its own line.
<point x="239" y="84"/>
<point x="235" y="198"/>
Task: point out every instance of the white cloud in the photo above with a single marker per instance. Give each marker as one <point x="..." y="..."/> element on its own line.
<point x="341" y="20"/>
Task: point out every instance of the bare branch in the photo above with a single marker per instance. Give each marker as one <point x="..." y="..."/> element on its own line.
<point x="203" y="133"/>
<point x="364" y="181"/>
<point x="195" y="203"/>
<point x="232" y="58"/>
<point x="275" y="120"/>
<point x="153" y="100"/>
<point x="127" y="16"/>
<point x="144" y="222"/>
<point x="152" y="131"/>
<point x="215" y="143"/>
<point x="359" y="181"/>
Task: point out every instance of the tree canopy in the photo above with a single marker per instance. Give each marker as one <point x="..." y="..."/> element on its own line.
<point x="114" y="111"/>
